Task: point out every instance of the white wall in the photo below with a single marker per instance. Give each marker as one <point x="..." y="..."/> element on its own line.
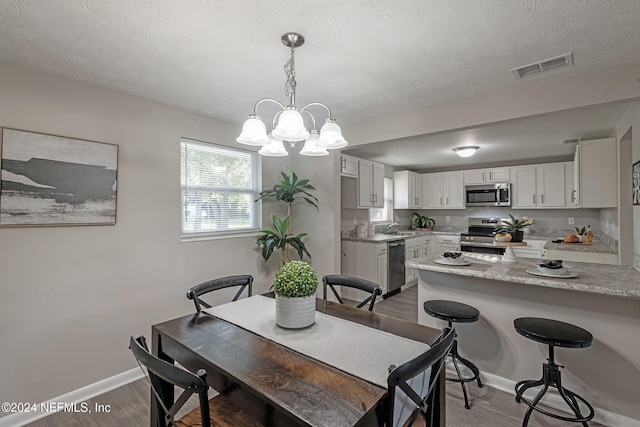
<point x="70" y="297"/>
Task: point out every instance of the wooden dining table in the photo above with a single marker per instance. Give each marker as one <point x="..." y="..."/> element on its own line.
<point x="276" y="385"/>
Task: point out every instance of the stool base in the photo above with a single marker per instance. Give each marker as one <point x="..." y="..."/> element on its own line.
<point x="551" y="378"/>
<point x="455" y="357"/>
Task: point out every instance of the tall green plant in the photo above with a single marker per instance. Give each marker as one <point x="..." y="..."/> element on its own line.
<point x="290" y="189"/>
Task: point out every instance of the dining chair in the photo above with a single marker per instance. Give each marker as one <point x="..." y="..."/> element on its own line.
<point x="219" y="408"/>
<point x="334" y="280"/>
<point x="244" y="281"/>
<point x="412" y="386"/>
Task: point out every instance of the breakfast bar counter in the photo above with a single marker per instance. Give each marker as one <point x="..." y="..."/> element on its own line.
<point x="603" y="299"/>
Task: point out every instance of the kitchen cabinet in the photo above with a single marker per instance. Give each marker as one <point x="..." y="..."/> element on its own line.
<point x="595" y="174"/>
<point x="443" y="190"/>
<point x="413" y="248"/>
<point x="366" y="260"/>
<point x="486" y="176"/>
<point x="407" y="190"/>
<point x="367" y="190"/>
<point x="534" y="249"/>
<point x="539" y="186"/>
<point x="370" y="184"/>
<point x="348" y="166"/>
<point x="446" y="243"/>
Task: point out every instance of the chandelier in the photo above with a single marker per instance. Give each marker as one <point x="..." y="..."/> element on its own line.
<point x="288" y="123"/>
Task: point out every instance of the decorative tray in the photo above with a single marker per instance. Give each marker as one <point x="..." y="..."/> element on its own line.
<point x="558" y="273"/>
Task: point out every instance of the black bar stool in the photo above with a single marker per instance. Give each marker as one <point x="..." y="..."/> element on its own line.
<point x="553" y="333"/>
<point x="452" y="311"/>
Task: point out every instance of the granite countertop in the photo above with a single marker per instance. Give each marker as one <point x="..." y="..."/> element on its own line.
<point x="379" y="237"/>
<point x="615" y="280"/>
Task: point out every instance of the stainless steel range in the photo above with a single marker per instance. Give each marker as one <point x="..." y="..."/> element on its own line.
<point x="479" y="237"/>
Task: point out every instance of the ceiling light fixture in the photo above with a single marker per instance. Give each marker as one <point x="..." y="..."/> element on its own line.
<point x="466" y="151"/>
<point x="288" y="122"/>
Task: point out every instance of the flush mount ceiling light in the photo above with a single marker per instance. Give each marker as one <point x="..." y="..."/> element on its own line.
<point x="466" y="151"/>
<point x="288" y="122"/>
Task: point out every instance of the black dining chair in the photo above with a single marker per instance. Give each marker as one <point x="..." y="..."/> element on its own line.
<point x="244" y="281"/>
<point x="219" y="408"/>
<point x="334" y="280"/>
<point x="422" y="400"/>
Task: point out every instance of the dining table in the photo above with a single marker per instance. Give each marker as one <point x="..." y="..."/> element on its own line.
<point x="278" y="385"/>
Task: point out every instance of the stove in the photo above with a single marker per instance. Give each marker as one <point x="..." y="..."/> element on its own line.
<point x="479" y="237"/>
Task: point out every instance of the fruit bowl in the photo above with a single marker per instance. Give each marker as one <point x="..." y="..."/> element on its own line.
<point x="503" y="238"/>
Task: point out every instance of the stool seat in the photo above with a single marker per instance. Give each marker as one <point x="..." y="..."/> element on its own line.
<point x="553" y="332"/>
<point x="451" y="311"/>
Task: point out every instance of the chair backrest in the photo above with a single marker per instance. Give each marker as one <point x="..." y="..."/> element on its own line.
<point x="244" y="281"/>
<point x="351" y="282"/>
<point x="158" y="370"/>
<point x="420" y="373"/>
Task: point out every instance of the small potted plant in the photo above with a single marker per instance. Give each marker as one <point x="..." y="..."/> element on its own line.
<point x="580" y="232"/>
<point x="514" y="227"/>
<point x="422" y="222"/>
<point x="295" y="287"/>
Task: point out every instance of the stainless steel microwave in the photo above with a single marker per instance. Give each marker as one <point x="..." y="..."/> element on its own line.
<point x="488" y="195"/>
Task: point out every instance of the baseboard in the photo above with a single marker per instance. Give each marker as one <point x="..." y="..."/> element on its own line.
<point x="601" y="416"/>
<point x="20" y="419"/>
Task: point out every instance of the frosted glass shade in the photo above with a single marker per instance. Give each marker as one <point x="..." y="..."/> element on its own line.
<point x="253" y="132"/>
<point x="465" y="151"/>
<point x="331" y="136"/>
<point x="290" y="126"/>
<point x="311" y="148"/>
<point x="275" y="148"/>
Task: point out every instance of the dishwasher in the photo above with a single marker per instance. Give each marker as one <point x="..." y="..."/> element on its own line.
<point x="396" y="277"/>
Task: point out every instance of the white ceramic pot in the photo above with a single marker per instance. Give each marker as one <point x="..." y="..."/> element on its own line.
<point x="295" y="313"/>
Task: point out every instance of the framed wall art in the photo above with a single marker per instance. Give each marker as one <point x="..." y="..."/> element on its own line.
<point x="50" y="180"/>
<point x="635" y="182"/>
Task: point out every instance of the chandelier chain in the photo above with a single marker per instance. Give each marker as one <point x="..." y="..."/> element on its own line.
<point x="290" y="72"/>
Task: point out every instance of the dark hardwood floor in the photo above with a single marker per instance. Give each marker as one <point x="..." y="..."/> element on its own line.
<point x="489" y="407"/>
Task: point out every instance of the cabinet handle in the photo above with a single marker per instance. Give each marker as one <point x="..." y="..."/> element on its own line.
<point x="542" y="199"/>
<point x="344" y="163"/>
<point x="534" y="199"/>
<point x="573" y="195"/>
<point x="441" y="204"/>
<point x="447" y="201"/>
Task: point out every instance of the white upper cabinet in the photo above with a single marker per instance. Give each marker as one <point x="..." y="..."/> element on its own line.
<point x="348" y="166"/>
<point x="443" y="190"/>
<point x="539" y="186"/>
<point x="595" y="174"/>
<point x="370" y="184"/>
<point x="407" y="190"/>
<point x="486" y="176"/>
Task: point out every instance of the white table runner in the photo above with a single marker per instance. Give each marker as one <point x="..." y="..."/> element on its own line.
<point x="357" y="349"/>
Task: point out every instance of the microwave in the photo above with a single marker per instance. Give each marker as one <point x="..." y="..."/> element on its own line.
<point x="488" y="195"/>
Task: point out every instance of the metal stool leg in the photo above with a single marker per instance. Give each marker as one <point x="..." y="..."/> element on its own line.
<point x="464" y="390"/>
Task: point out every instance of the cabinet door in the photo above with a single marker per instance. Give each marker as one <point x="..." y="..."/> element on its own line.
<point x="576" y="177"/>
<point x="365" y="173"/>
<point x="349" y="166"/>
<point x="498" y="175"/>
<point x="426" y="246"/>
<point x="435" y="190"/>
<point x="454" y="190"/>
<point x="550" y="186"/>
<point x="415" y="190"/>
<point x="407" y="190"/>
<point x="524" y="187"/>
<point x="377" y="185"/>
<point x="410" y="252"/>
<point x="598" y="173"/>
<point x="382" y="267"/>
<point x="474" y="177"/>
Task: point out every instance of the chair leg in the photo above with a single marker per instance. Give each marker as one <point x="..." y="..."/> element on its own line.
<point x="535" y="401"/>
<point x="464" y="390"/>
<point x="455" y="357"/>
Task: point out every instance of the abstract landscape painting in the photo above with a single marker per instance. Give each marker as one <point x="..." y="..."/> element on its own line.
<point x="51" y="180"/>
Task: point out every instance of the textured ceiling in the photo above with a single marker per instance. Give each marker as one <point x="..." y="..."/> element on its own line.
<point x="365" y="59"/>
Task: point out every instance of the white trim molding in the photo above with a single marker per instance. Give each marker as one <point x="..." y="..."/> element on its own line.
<point x="78" y="396"/>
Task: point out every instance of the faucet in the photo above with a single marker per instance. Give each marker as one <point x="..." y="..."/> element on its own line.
<point x="390" y="226"/>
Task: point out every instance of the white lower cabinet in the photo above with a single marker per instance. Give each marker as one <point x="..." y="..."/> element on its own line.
<point x="534" y="249"/>
<point x="445" y="243"/>
<point x="365" y="260"/>
<point x="413" y="248"/>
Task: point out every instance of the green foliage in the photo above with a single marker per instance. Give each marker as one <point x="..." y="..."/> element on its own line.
<point x="291" y="188"/>
<point x="581" y="230"/>
<point x="279" y="239"/>
<point x="295" y="279"/>
<point x="422" y="221"/>
<point x="515" y="224"/>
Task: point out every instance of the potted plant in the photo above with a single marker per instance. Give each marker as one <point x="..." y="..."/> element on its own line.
<point x="422" y="222"/>
<point x="295" y="287"/>
<point x="288" y="190"/>
<point x="514" y="227"/>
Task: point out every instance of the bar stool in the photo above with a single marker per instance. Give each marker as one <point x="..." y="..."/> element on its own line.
<point x="452" y="311"/>
<point x="553" y="333"/>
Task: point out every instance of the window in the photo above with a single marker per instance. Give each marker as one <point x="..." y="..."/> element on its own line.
<point x="219" y="185"/>
<point x="385" y="213"/>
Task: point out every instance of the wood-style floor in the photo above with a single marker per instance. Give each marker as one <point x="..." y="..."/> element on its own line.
<point x="489" y="407"/>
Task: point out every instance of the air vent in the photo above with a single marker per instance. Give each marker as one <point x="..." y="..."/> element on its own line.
<point x="571" y="141"/>
<point x="542" y="66"/>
